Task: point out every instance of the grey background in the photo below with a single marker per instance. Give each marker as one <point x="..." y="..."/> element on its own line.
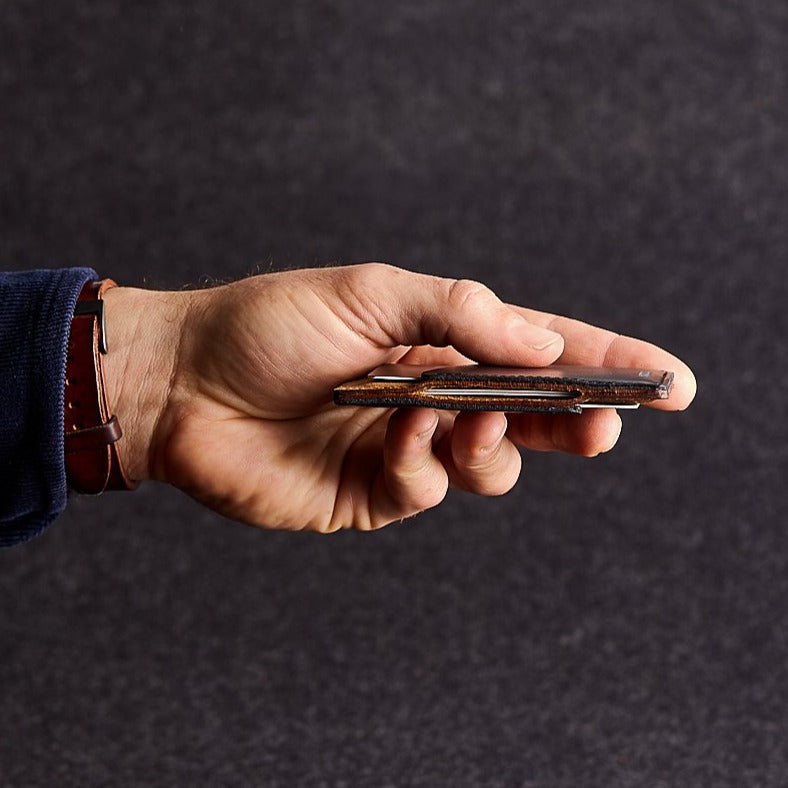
<point x="614" y="622"/>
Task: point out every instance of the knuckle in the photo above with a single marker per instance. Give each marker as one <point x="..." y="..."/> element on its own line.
<point x="493" y="472"/>
<point x="365" y="294"/>
<point x="465" y="292"/>
<point x="370" y="274"/>
<point x="479" y="459"/>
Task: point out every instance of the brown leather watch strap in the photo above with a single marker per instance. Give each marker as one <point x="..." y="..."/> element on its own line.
<point x="93" y="463"/>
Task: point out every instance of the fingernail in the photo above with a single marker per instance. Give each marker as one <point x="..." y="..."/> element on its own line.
<point x="537" y="337"/>
<point x="425" y="436"/>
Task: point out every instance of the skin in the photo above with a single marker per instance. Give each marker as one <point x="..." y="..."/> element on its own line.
<point x="226" y="393"/>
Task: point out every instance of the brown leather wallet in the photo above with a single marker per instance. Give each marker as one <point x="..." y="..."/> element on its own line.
<point x="93" y="463"/>
<point x="554" y="389"/>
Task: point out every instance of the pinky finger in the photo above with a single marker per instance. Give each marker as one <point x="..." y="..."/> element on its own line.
<point x="412" y="478"/>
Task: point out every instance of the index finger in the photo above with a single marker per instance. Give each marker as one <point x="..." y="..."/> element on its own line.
<point x="588" y="345"/>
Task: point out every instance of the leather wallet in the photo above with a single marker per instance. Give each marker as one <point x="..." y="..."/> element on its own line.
<point x="554" y="389"/>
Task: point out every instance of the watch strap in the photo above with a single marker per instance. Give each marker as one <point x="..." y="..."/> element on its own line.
<point x="91" y="432"/>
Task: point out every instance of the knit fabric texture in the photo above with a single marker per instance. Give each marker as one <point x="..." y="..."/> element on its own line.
<point x="34" y="326"/>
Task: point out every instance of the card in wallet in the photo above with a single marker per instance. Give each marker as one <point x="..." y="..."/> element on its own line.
<point x="553" y="389"/>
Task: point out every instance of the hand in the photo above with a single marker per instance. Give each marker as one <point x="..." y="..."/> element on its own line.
<point x="227" y="392"/>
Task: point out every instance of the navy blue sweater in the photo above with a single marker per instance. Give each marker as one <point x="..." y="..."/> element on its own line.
<point x="35" y="319"/>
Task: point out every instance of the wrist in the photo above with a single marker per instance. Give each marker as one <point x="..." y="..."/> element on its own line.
<point x="144" y="333"/>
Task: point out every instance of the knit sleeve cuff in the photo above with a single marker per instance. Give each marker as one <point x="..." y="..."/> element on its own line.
<point x="36" y="308"/>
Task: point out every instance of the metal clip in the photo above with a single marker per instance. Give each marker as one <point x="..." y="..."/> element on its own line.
<point x="95" y="308"/>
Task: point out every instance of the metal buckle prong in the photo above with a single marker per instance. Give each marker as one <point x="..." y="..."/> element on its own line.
<point x="95" y="308"/>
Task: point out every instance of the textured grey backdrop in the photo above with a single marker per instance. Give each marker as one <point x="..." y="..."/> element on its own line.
<point x="615" y="622"/>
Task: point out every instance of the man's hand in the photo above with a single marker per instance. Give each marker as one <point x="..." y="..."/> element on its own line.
<point x="227" y="392"/>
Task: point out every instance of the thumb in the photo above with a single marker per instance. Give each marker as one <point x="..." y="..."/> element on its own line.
<point x="419" y="309"/>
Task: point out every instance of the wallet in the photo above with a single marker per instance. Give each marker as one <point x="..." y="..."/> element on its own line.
<point x="553" y="389"/>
